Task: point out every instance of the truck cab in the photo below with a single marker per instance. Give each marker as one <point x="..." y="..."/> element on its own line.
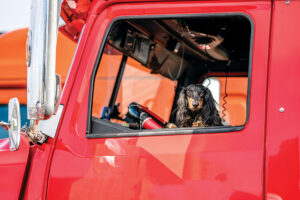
<point x="143" y="54"/>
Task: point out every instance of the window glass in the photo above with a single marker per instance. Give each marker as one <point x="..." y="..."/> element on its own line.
<point x="151" y="69"/>
<point x="214" y="85"/>
<point x="105" y="80"/>
<point x="231" y="97"/>
<point x="151" y="90"/>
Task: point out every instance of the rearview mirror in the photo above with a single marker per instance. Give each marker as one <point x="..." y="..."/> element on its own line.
<point x="14" y="122"/>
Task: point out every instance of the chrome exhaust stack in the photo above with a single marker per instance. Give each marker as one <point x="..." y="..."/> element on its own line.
<point x="43" y="85"/>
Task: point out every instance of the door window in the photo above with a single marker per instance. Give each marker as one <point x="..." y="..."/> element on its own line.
<point x="148" y="64"/>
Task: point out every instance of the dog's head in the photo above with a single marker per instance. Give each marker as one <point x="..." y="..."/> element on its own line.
<point x="196" y="99"/>
<point x="194" y="96"/>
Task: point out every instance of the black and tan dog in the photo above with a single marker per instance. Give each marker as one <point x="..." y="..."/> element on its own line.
<point x="196" y="107"/>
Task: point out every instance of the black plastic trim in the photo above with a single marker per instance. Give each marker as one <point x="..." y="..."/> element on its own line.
<point x="166" y="131"/>
<point x="169" y="131"/>
<point x="118" y="82"/>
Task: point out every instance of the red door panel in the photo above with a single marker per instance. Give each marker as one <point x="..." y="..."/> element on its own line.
<point x="226" y="166"/>
<point x="12" y="168"/>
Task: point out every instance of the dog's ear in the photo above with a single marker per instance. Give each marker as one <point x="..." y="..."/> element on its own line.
<point x="182" y="98"/>
<point x="209" y="101"/>
<point x="209" y="110"/>
<point x="181" y="108"/>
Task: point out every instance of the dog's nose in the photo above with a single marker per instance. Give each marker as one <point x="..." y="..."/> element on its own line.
<point x="195" y="104"/>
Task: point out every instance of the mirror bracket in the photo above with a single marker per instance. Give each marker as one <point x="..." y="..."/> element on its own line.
<point x="34" y="133"/>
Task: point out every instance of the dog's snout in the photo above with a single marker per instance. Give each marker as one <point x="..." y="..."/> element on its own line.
<point x="195" y="104"/>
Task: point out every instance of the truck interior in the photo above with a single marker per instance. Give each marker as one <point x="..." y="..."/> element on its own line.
<point x="146" y="62"/>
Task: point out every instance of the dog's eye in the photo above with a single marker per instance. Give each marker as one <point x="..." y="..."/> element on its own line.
<point x="189" y="93"/>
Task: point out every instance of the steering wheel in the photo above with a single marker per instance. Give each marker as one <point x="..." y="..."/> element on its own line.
<point x="145" y="118"/>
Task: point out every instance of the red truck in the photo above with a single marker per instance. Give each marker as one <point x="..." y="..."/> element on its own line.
<point x="80" y="145"/>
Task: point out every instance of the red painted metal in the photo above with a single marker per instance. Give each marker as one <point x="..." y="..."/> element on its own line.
<point x="12" y="168"/>
<point x="282" y="150"/>
<point x="40" y="160"/>
<point x="4" y="145"/>
<point x="199" y="166"/>
<point x="74" y="13"/>
<point x="227" y="166"/>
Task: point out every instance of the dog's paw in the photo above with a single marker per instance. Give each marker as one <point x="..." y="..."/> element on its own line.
<point x="171" y="125"/>
<point x="198" y="124"/>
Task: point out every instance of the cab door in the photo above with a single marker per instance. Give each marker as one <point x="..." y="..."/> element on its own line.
<point x="211" y="164"/>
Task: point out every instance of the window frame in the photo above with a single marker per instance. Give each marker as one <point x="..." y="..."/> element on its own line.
<point x="167" y="131"/>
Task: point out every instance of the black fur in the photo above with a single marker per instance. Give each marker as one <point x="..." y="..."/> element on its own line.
<point x="208" y="115"/>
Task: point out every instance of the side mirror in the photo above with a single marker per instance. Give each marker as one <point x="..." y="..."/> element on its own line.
<point x="14" y="124"/>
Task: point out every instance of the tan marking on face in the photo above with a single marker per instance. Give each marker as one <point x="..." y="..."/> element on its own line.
<point x="190" y="104"/>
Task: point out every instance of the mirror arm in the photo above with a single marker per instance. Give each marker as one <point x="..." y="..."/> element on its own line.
<point x="32" y="132"/>
<point x="5" y="125"/>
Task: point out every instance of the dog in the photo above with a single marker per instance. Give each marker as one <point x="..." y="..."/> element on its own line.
<point x="196" y="107"/>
